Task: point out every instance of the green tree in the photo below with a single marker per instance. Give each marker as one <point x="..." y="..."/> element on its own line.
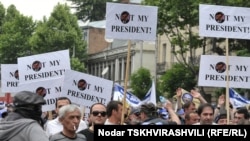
<point x="177" y="76"/>
<point x="77" y="65"/>
<point x="16" y="31"/>
<point x="141" y="82"/>
<point x="2" y="13"/>
<point x="177" y="19"/>
<point x="93" y="10"/>
<point x="61" y="31"/>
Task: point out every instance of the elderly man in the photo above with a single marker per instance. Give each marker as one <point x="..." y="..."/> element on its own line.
<point x="70" y="117"/>
<point x="54" y="126"/>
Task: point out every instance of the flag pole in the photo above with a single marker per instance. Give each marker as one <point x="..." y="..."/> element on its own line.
<point x="125" y="81"/>
<point x="227" y="85"/>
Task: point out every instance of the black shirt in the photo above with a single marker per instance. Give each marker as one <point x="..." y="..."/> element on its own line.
<point x="88" y="133"/>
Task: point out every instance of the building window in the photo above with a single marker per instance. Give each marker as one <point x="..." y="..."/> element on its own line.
<point x="164" y="52"/>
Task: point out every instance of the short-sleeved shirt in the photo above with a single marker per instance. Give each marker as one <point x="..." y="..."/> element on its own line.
<point x="61" y="137"/>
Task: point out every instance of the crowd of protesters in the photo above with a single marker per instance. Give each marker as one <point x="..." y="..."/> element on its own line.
<point x="24" y="120"/>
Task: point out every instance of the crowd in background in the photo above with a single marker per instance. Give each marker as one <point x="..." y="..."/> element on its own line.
<point x="24" y="119"/>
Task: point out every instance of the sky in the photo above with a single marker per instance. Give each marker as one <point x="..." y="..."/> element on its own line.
<point x="35" y="8"/>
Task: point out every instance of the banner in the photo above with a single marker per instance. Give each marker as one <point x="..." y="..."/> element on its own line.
<point x="127" y="21"/>
<point x="224" y="21"/>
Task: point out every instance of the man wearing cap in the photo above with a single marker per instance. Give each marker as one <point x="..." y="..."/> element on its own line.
<point x="24" y="123"/>
<point x="134" y="116"/>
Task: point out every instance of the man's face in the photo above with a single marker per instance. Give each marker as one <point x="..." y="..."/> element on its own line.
<point x="142" y="116"/>
<point x="118" y="114"/>
<point x="61" y="103"/>
<point x="207" y="116"/>
<point x="71" y="121"/>
<point x="134" y="118"/>
<point x="124" y="16"/>
<point x="101" y="117"/>
<point x="36" y="65"/>
<point x="194" y="118"/>
<point x="81" y="84"/>
<point x="191" y="108"/>
<point x="41" y="92"/>
<point x="239" y="119"/>
<point x="222" y="121"/>
<point x="187" y="97"/>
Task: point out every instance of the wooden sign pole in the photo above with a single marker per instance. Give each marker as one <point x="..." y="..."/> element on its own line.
<point x="126" y="81"/>
<point x="227" y="85"/>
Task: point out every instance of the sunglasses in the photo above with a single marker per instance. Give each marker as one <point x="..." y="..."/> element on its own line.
<point x="96" y="113"/>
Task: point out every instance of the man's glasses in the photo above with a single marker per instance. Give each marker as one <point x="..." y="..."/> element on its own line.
<point x="96" y="113"/>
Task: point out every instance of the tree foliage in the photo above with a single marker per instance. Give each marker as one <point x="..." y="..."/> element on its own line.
<point x="141" y="82"/>
<point x="61" y="31"/>
<point x="177" y="76"/>
<point x="16" y="31"/>
<point x="2" y="14"/>
<point x="178" y="20"/>
<point x="77" y="65"/>
<point x="93" y="10"/>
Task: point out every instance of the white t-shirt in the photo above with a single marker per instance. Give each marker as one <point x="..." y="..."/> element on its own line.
<point x="200" y="123"/>
<point x="54" y="126"/>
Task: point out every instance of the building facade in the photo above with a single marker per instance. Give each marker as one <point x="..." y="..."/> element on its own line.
<point x="108" y="58"/>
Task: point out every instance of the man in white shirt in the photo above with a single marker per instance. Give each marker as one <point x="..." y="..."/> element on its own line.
<point x="114" y="113"/>
<point x="206" y="113"/>
<point x="54" y="126"/>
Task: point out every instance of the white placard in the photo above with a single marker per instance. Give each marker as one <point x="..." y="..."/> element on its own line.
<point x="128" y="21"/>
<point x="213" y="71"/>
<point x="49" y="89"/>
<point x="85" y="90"/>
<point x="9" y="78"/>
<point x="224" y="21"/>
<point x="43" y="66"/>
